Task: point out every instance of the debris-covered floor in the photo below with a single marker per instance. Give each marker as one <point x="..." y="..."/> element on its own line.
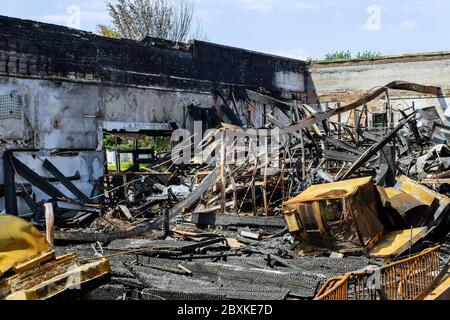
<point x="340" y="198"/>
<point x="267" y="271"/>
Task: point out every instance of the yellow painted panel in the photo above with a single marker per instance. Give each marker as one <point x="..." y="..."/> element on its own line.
<point x="394" y="243"/>
<point x="19" y="241"/>
<point x="392" y="192"/>
<point x="73" y="278"/>
<point x="420" y="192"/>
<point x="330" y="191"/>
<point x="442" y="290"/>
<point x="291" y="220"/>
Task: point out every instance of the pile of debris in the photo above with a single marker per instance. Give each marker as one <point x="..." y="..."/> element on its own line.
<point x="334" y="198"/>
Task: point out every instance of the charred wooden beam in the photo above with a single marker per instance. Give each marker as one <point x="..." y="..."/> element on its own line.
<point x="38" y="211"/>
<point x="264" y="99"/>
<point x="76" y="236"/>
<point x="340" y="144"/>
<point x="35" y="179"/>
<point x="376" y="148"/>
<point x="65" y="182"/>
<point x="244" y="221"/>
<point x="225" y="108"/>
<point x="10" y="185"/>
<point x="395" y="85"/>
<point x="339" y="156"/>
<point x="190" y="200"/>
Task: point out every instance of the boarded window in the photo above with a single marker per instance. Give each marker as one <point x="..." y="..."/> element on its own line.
<point x="10" y="107"/>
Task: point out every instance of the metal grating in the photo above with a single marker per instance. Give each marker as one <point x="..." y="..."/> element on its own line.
<point x="10" y="107"/>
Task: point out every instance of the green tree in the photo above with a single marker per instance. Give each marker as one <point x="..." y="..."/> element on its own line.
<point x="108" y="32"/>
<point x="164" y="19"/>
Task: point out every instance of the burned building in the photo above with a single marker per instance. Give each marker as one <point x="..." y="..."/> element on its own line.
<point x="360" y="176"/>
<point x="333" y="83"/>
<point x="62" y="89"/>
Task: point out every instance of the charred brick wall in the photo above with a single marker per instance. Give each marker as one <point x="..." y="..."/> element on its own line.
<point x="29" y="48"/>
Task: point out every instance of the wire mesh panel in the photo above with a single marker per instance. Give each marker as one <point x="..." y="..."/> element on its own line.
<point x="10" y="107"/>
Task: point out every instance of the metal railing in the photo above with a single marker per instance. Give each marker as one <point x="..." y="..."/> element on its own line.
<point x="403" y="280"/>
<point x="335" y="289"/>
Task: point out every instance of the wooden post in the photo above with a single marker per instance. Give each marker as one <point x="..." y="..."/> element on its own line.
<point x="255" y="210"/>
<point x="390" y="112"/>
<point x="136" y="152"/>
<point x="49" y="223"/>
<point x="266" y="209"/>
<point x="223" y="158"/>
<point x="340" y="122"/>
<point x="10" y="185"/>
<point x="117" y="155"/>
<point x="235" y="198"/>
<point x="303" y="155"/>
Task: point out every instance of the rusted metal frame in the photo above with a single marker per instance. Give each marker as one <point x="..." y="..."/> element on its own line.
<point x="318" y="217"/>
<point x="329" y="284"/>
<point x="423" y="253"/>
<point x="350" y="207"/>
<point x="376" y="148"/>
<point x="413" y="274"/>
<point x="435" y="281"/>
<point x="338" y="290"/>
<point x="404" y="279"/>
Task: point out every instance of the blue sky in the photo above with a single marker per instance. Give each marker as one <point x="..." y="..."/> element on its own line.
<point x="295" y="28"/>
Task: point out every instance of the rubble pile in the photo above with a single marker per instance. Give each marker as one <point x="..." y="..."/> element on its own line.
<point x="341" y="197"/>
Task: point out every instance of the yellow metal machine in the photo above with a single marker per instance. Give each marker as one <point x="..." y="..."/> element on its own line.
<point x="30" y="270"/>
<point x="346" y="216"/>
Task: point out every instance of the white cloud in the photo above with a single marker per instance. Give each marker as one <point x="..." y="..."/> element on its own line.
<point x="373" y="22"/>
